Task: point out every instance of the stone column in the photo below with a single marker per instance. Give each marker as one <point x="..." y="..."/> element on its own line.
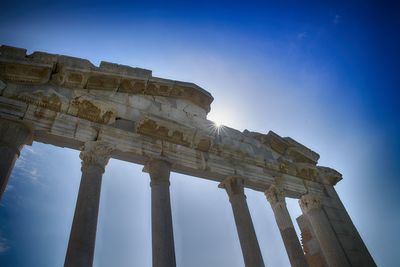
<point x="13" y="136"/>
<point x="244" y="225"/>
<point x="331" y="249"/>
<point x="292" y="244"/>
<point x="95" y="156"/>
<point x="163" y="248"/>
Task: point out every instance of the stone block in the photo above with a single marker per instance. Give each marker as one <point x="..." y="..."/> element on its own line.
<point x="124" y="70"/>
<point x="12" y="52"/>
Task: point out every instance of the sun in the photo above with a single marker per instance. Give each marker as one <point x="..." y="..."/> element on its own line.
<point x="216" y="127"/>
<point x="217" y="124"/>
<point x="218" y="121"/>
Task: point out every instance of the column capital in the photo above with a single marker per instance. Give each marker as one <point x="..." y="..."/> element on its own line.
<point x="96" y="153"/>
<point x="309" y="202"/>
<point x="234" y="186"/>
<point x="159" y="170"/>
<point x="275" y="195"/>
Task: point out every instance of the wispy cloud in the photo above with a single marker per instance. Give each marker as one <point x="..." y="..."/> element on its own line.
<point x="34" y="174"/>
<point x="336" y="19"/>
<point x="301" y="35"/>
<point x="9" y="187"/>
<point x="4" y="245"/>
<point x="31" y="150"/>
<point x="28" y="168"/>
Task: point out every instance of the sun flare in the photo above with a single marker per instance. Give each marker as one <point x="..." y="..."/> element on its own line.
<point x="216" y="127"/>
<point x="217" y="124"/>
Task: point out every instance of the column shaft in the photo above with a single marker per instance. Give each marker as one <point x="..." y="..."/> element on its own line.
<point x="163" y="248"/>
<point x="244" y="225"/>
<point x="82" y="239"/>
<point x="13" y="136"/>
<point x="290" y="239"/>
<point x="331" y="249"/>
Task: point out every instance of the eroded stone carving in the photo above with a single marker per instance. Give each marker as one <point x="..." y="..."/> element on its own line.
<point x="234" y="185"/>
<point x="48" y="99"/>
<point x="309" y="202"/>
<point x="329" y="175"/>
<point x="96" y="153"/>
<point x="307" y="171"/>
<point x="15" y="67"/>
<point x="275" y="195"/>
<point x="158" y="129"/>
<point x="25" y="73"/>
<point x="287" y="147"/>
<point x="174" y="133"/>
<point x="91" y="110"/>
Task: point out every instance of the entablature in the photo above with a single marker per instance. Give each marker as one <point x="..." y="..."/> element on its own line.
<point x="142" y="125"/>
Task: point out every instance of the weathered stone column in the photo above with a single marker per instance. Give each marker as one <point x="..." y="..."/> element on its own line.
<point x="13" y="136"/>
<point x="95" y="156"/>
<point x="292" y="244"/>
<point x="244" y="225"/>
<point x="163" y="248"/>
<point x="331" y="249"/>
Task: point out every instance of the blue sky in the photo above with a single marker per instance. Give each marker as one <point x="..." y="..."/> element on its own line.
<point x="325" y="74"/>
